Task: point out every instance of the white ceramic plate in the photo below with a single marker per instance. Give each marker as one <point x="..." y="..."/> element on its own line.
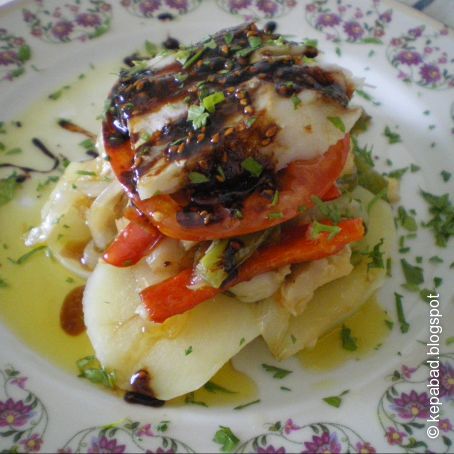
<point x="407" y="62"/>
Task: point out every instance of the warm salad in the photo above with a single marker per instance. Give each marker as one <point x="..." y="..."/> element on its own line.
<point x="226" y="204"/>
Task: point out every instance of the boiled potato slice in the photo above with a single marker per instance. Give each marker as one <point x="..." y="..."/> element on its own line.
<point x="337" y="300"/>
<point x="181" y="354"/>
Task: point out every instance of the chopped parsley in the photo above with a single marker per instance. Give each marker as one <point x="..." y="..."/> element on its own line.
<point x="44" y="184"/>
<point x="276" y="372"/>
<point x="86" y="173"/>
<point x="8" y="188"/>
<point x="198" y="178"/>
<point x="15" y="150"/>
<point x="255" y="41"/>
<point x="210" y="101"/>
<point x="397" y="173"/>
<point x="190" y="61"/>
<point x="240" y="407"/>
<point x="327" y="209"/>
<point x="296" y="101"/>
<point x="25" y="257"/>
<point x="393" y="137"/>
<point x="190" y="399"/>
<point x="445" y="175"/>
<point x="437" y="281"/>
<point x="367" y="97"/>
<point x="226" y="438"/>
<point x="318" y="228"/>
<point x="211" y="44"/>
<point x="188" y="351"/>
<point x="87" y="144"/>
<point x="404" y="326"/>
<point x="250" y="121"/>
<point x="338" y="123"/>
<point x="252" y="166"/>
<point x="348" y="341"/>
<point x="275" y="215"/>
<point x="198" y="116"/>
<point x="3" y="283"/>
<point x="335" y="401"/>
<point x="215" y="388"/>
<point x="435" y="259"/>
<point x="376" y="256"/>
<point x="151" y="48"/>
<point x="413" y="275"/>
<point x="91" y="369"/>
<point x="228" y="38"/>
<point x="442" y="221"/>
<point x="407" y="221"/>
<point x="163" y="426"/>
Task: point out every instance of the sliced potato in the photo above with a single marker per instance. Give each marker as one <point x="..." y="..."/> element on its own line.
<point x="337" y="300"/>
<point x="181" y="354"/>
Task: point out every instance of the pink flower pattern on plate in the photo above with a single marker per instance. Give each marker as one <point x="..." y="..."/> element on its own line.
<point x="83" y="21"/>
<point x="159" y="8"/>
<point x="341" y="21"/>
<point x="257" y="9"/>
<point x="14" y="54"/>
<point x="419" y="60"/>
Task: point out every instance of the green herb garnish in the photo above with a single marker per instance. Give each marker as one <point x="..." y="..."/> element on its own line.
<point x="275" y="215"/>
<point x="214" y="388"/>
<point x="252" y="166"/>
<point x="277" y="372"/>
<point x="198" y="178"/>
<point x="404" y="326"/>
<point x="240" y="407"/>
<point x="91" y="369"/>
<point x="393" y="137"/>
<point x="8" y="188"/>
<point x="198" y="116"/>
<point x="23" y="258"/>
<point x="335" y="401"/>
<point x="296" y="101"/>
<point x="413" y="274"/>
<point x="226" y="438"/>
<point x="210" y="101"/>
<point x="318" y="228"/>
<point x="348" y="341"/>
<point x="376" y="256"/>
<point x="228" y="38"/>
<point x="445" y="175"/>
<point x="338" y="123"/>
<point x="442" y="221"/>
<point x="407" y="221"/>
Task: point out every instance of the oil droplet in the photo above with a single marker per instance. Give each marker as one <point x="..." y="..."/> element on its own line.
<point x="367" y="326"/>
<point x="228" y="387"/>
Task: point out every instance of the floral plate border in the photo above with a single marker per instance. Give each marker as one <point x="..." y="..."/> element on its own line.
<point x="416" y="51"/>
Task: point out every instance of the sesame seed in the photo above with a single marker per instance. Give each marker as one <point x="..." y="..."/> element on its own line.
<point x="271" y="131"/>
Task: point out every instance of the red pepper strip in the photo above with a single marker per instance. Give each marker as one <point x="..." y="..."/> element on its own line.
<point x="172" y="296"/>
<point x="134" y="242"/>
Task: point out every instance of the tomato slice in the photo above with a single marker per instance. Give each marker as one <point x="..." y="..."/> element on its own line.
<point x="298" y="182"/>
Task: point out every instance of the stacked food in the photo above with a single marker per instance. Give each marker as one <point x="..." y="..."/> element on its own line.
<point x="224" y="206"/>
